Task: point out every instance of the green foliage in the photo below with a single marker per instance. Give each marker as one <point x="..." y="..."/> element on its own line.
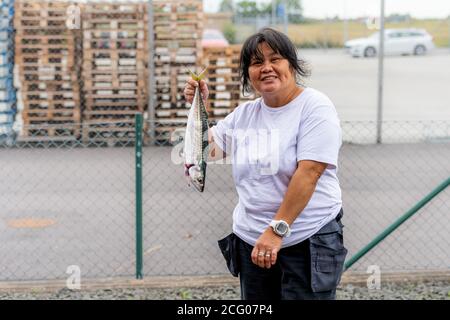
<point x="247" y="8"/>
<point x="229" y="31"/>
<point x="250" y="8"/>
<point x="226" y="6"/>
<point x="185" y="294"/>
<point x="293" y="7"/>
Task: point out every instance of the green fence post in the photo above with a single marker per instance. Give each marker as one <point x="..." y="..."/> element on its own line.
<point x="397" y="223"/>
<point x="138" y="159"/>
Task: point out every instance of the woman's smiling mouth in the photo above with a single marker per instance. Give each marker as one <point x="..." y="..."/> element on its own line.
<point x="268" y="78"/>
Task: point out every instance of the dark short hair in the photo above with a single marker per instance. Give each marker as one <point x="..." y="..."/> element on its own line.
<point x="280" y="44"/>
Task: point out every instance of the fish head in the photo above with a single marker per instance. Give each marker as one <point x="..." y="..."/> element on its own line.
<point x="197" y="177"/>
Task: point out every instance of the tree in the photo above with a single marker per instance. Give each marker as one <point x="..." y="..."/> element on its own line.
<point x="294" y="9"/>
<point x="247" y="8"/>
<point x="229" y="32"/>
<point x="226" y="6"/>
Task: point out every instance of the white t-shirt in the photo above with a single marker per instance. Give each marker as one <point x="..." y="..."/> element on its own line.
<point x="265" y="145"/>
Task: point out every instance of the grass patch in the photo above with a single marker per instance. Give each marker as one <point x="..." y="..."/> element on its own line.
<point x="331" y="34"/>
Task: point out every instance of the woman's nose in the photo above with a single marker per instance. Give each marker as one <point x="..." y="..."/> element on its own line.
<point x="266" y="66"/>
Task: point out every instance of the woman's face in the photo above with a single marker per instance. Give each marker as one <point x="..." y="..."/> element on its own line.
<point x="271" y="75"/>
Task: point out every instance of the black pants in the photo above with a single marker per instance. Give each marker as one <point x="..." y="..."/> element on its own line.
<point x="310" y="270"/>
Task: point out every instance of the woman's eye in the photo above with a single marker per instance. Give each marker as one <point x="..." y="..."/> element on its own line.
<point x="256" y="62"/>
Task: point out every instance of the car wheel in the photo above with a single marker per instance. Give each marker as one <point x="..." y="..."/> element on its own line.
<point x="420" y="50"/>
<point x="370" y="52"/>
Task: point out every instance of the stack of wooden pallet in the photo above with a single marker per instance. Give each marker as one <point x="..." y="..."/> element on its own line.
<point x="49" y="70"/>
<point x="115" y="68"/>
<point x="223" y="79"/>
<point x="178" y="28"/>
<point x="7" y="91"/>
<point x="225" y="89"/>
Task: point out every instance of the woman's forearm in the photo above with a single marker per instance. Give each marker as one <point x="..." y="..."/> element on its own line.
<point x="300" y="190"/>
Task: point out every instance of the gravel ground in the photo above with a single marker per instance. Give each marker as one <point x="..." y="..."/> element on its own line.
<point x="388" y="291"/>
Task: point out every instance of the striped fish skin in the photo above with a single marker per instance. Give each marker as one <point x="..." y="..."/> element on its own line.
<point x="196" y="140"/>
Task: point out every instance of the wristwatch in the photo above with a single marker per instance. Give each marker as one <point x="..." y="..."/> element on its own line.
<point x="281" y="228"/>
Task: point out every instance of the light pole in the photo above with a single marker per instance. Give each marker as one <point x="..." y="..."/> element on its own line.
<point x="274" y="12"/>
<point x="345" y="22"/>
<point x="380" y="74"/>
<point x="285" y="17"/>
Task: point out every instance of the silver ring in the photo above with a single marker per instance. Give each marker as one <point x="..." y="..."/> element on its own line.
<point x="261" y="253"/>
<point x="268" y="255"/>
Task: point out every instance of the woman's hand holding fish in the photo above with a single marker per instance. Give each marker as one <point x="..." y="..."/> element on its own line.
<point x="189" y="90"/>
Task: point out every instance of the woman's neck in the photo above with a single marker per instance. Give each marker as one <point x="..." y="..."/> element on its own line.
<point x="280" y="99"/>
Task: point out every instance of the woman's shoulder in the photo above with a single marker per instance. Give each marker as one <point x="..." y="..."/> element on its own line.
<point x="318" y="103"/>
<point x="316" y="97"/>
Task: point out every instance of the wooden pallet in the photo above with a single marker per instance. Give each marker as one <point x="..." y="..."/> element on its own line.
<point x="109" y="131"/>
<point x="49" y="77"/>
<point x="169" y="131"/>
<point x="45" y="6"/>
<point x="177" y="8"/>
<point x="54" y="40"/>
<point x="223" y="80"/>
<point x="117" y="35"/>
<point x="119" y="55"/>
<point x="33" y="117"/>
<point x="119" y="23"/>
<point x="43" y="132"/>
<point x="26" y="24"/>
<point x="114" y="8"/>
<point x="131" y="44"/>
<point x="39" y="60"/>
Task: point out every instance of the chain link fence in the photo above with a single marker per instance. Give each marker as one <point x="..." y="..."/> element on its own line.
<point x="380" y="182"/>
<point x="66" y="202"/>
<point x="73" y="203"/>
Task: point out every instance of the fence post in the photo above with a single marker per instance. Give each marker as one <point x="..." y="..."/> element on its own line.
<point x="138" y="160"/>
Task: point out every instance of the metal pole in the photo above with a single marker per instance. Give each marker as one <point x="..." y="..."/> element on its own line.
<point x="138" y="160"/>
<point x="345" y="22"/>
<point x="397" y="223"/>
<point x="285" y="18"/>
<point x="380" y="75"/>
<point x="274" y="13"/>
<point x="151" y="74"/>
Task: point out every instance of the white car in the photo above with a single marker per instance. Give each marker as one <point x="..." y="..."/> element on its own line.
<point x="397" y="42"/>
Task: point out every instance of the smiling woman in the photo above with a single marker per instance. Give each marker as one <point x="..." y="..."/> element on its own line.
<point x="287" y="240"/>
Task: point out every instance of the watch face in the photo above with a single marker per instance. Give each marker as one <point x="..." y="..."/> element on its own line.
<point x="281" y="228"/>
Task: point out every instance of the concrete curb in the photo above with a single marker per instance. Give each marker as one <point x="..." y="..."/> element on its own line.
<point x="359" y="279"/>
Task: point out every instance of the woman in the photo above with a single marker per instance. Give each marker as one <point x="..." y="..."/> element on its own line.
<point x="284" y="149"/>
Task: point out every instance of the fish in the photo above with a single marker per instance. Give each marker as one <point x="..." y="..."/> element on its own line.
<point x="196" y="139"/>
